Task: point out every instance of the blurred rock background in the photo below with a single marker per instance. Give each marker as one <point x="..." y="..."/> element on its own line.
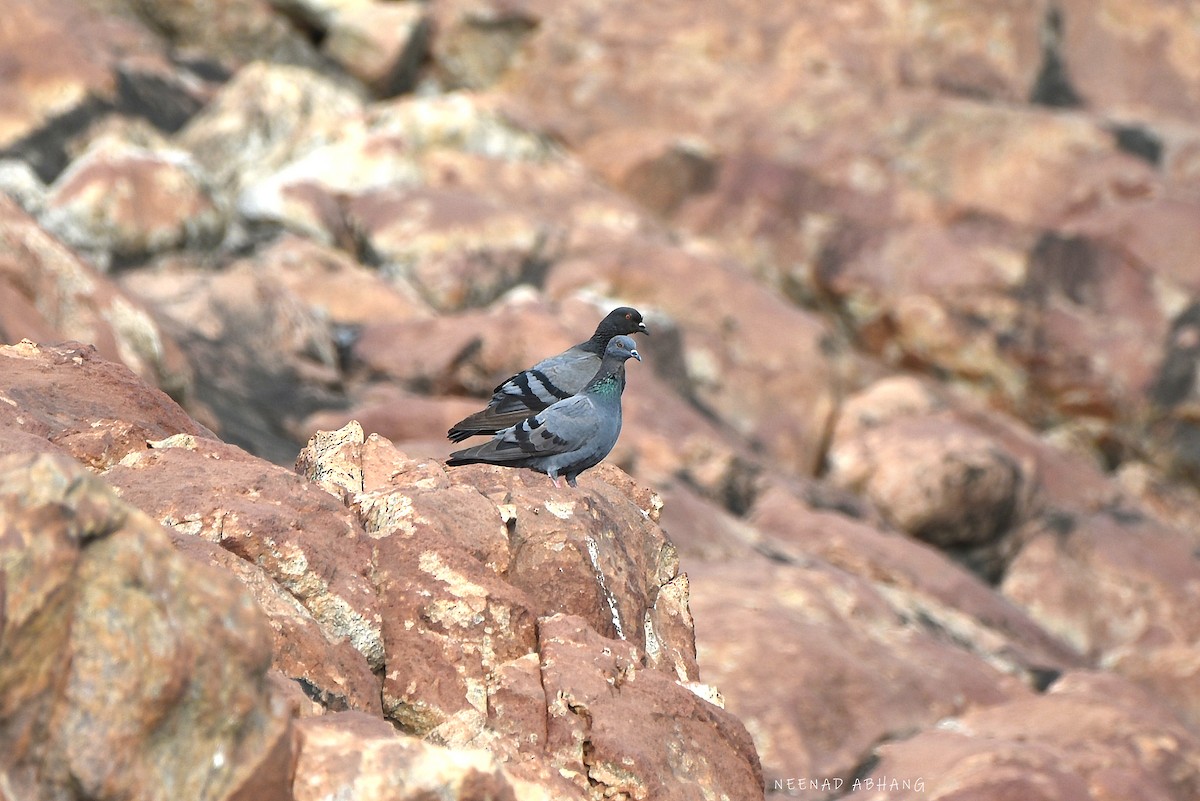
<point x="920" y="399"/>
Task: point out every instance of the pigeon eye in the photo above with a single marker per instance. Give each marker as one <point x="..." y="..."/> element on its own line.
<point x="628" y="316"/>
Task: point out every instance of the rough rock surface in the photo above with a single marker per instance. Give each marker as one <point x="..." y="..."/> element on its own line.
<point x="475" y="633"/>
<point x="1090" y="736"/>
<point x="122" y="203"/>
<point x="50" y="294"/>
<point x="921" y="398"/>
<point x="559" y="614"/>
<point x="128" y="671"/>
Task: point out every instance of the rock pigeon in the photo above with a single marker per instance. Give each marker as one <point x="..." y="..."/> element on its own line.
<point x="570" y="435"/>
<point x="549" y="380"/>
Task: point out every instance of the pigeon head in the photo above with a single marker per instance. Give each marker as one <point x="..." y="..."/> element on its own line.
<point x="622" y="347"/>
<point x="624" y="320"/>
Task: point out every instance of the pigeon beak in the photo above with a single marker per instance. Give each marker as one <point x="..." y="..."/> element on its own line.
<point x="635" y="354"/>
<point x="642" y="327"/>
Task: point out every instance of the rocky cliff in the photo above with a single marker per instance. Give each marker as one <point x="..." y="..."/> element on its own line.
<point x="908" y="477"/>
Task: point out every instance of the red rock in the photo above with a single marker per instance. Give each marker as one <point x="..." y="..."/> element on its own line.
<point x="919" y="581"/>
<point x="478" y="648"/>
<point x="129" y="670"/>
<point x="332" y="282"/>
<point x="1121" y="589"/>
<point x="459" y="248"/>
<point x="417" y="422"/>
<point x="595" y="688"/>
<point x="326" y="669"/>
<point x="1132" y="62"/>
<point x="73" y="398"/>
<point x="1091" y="736"/>
<point x="702" y="530"/>
<point x="264" y="359"/>
<point x="474" y="351"/>
<point x="659" y="171"/>
<point x="51" y="294"/>
<point x="930" y="474"/>
<point x="845" y="644"/>
<point x="1154" y="231"/>
<point x="126" y="203"/>
<point x="297" y="535"/>
<point x="1174" y="504"/>
<point x="787" y="52"/>
<point x="62" y="64"/>
<point x="458" y="608"/>
<point x="776" y="398"/>
<point x="598" y="556"/>
<point x="447" y="623"/>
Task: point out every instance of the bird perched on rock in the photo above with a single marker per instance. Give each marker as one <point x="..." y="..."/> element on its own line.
<point x="570" y="435"/>
<point x="549" y="380"/>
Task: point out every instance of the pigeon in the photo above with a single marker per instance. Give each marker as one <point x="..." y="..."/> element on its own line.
<point x="549" y="380"/>
<point x="570" y="435"/>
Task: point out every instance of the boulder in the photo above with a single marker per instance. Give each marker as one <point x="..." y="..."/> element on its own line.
<point x="299" y="537"/>
<point x="1088" y="737"/>
<point x="123" y="204"/>
<point x="94" y="410"/>
<point x="1119" y="587"/>
<point x="128" y="670"/>
<point x="381" y="44"/>
<point x="51" y="295"/>
<point x="263" y="358"/>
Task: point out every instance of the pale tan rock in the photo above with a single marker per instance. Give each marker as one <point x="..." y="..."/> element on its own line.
<point x="262" y="118"/>
<point x="397" y="146"/>
<point x="122" y="203"/>
<point x="476" y="43"/>
<point x="353" y="755"/>
<point x="232" y="32"/>
<point x="381" y="44"/>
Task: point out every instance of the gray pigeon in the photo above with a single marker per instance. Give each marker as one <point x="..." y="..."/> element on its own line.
<point x="549" y="380"/>
<point x="568" y="436"/>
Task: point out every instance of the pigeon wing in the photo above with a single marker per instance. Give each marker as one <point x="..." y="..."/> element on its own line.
<point x="565" y="427"/>
<point x="529" y="391"/>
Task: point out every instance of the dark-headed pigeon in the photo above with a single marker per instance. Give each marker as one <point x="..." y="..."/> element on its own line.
<point x="549" y="380"/>
<point x="568" y="436"/>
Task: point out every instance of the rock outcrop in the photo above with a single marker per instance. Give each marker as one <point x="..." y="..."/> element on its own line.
<point x="474" y="633"/>
<point x="128" y="671"/>
<point x="910" y="479"/>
